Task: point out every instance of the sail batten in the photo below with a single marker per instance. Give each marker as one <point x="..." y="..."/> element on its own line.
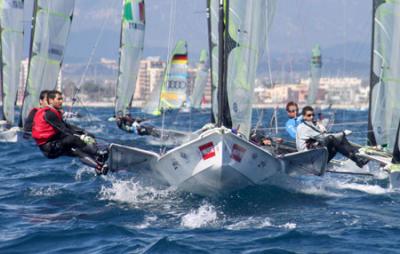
<point x="384" y="113"/>
<point x="51" y="26"/>
<point x="11" y="36"/>
<point x="131" y="49"/>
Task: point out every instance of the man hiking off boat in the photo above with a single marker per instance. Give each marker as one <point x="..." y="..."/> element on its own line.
<point x="312" y="135"/>
<point x="130" y="124"/>
<point x="57" y="138"/>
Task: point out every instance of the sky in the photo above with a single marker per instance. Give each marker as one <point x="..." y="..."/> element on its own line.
<point x="297" y="27"/>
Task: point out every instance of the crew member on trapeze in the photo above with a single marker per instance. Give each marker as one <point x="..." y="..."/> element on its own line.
<point x="57" y="138"/>
<point x="130" y="124"/>
<point x="294" y="120"/>
<point x="312" y="135"/>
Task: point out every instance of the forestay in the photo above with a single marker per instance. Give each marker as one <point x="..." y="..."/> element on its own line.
<point x="384" y="113"/>
<point x="173" y="89"/>
<point x="316" y="65"/>
<point x="11" y="33"/>
<point x="201" y="80"/>
<point x="244" y="42"/>
<point x="131" y="48"/>
<point x="51" y="25"/>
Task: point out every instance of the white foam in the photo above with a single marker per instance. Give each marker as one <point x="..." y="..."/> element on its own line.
<point x="370" y="189"/>
<point x="251" y="222"/>
<point x="132" y="192"/>
<point x="148" y="221"/>
<point x="84" y="170"/>
<point x="204" y="216"/>
<point x="48" y="191"/>
<point x="288" y="225"/>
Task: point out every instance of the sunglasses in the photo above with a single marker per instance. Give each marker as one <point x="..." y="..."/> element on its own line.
<point x="292" y="111"/>
<point x="308" y="115"/>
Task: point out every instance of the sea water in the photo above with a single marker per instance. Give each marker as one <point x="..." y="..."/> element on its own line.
<point x="61" y="206"/>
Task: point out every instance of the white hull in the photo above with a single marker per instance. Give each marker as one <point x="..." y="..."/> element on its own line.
<point x="10" y="135"/>
<point x="216" y="162"/>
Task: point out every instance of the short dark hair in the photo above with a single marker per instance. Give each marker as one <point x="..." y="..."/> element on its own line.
<point x="291" y="103"/>
<point x="305" y="109"/>
<point x="52" y="94"/>
<point x="43" y="94"/>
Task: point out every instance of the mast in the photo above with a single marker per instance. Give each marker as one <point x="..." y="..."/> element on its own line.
<point x="221" y="49"/>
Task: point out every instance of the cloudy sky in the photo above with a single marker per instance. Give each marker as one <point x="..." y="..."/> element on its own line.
<point x="298" y="25"/>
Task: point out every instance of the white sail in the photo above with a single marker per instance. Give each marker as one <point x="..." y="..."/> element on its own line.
<point x="244" y="45"/>
<point x="51" y="26"/>
<point x="131" y="48"/>
<point x="201" y="80"/>
<point x="385" y="77"/>
<point x="11" y="33"/>
<point x="316" y="65"/>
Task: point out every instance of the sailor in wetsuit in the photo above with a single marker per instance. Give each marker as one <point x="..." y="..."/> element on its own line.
<point x="29" y="119"/>
<point x="294" y="120"/>
<point x="311" y="135"/>
<point x="130" y="124"/>
<point x="56" y="138"/>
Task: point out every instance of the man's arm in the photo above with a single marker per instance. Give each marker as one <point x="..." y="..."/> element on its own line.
<point x="291" y="128"/>
<point x="54" y="121"/>
<point x="29" y="121"/>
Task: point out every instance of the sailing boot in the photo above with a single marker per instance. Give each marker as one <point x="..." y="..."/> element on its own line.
<point x="360" y="161"/>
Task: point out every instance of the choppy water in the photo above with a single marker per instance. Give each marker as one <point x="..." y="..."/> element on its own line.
<point x="60" y="206"/>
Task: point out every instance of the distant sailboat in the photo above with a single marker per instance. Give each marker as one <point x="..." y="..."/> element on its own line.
<point x="220" y="160"/>
<point x="131" y="49"/>
<point x="11" y="35"/>
<point x="200" y="81"/>
<point x="50" y="30"/>
<point x="173" y="91"/>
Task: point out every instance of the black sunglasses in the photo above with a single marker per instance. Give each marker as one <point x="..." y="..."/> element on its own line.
<point x="308" y="115"/>
<point x="292" y="111"/>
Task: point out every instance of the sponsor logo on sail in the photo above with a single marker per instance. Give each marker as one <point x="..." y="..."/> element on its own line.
<point x="207" y="150"/>
<point x="237" y="152"/>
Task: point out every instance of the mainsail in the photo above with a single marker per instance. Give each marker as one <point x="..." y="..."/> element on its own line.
<point x="173" y="89"/>
<point x="51" y="25"/>
<point x="384" y="108"/>
<point x="213" y="20"/>
<point x="131" y="48"/>
<point x="11" y="33"/>
<point x="244" y="42"/>
<point x="201" y="80"/>
<point x="316" y="65"/>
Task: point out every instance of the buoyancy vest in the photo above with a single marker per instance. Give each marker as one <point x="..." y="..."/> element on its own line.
<point x="42" y="131"/>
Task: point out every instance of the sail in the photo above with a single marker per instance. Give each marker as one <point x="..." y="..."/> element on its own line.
<point x="11" y="33"/>
<point x="152" y="105"/>
<point x="173" y="89"/>
<point x="51" y="25"/>
<point x="213" y="20"/>
<point x="244" y="42"/>
<point x="201" y="80"/>
<point x="384" y="108"/>
<point x="316" y="65"/>
<point x="131" y="48"/>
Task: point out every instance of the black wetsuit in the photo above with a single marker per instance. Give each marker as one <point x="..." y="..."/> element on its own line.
<point x="66" y="142"/>
<point x="29" y="120"/>
<point x="126" y="123"/>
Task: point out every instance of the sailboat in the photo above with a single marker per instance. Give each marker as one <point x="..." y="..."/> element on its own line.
<point x="172" y="92"/>
<point x="384" y="109"/>
<point x="131" y="49"/>
<point x="200" y="81"/>
<point x="220" y="160"/>
<point x="11" y="35"/>
<point x="50" y="30"/>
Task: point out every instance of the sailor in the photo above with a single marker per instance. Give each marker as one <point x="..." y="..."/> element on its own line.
<point x="292" y="110"/>
<point x="31" y="115"/>
<point x="57" y="138"/>
<point x="130" y="124"/>
<point x="311" y="135"/>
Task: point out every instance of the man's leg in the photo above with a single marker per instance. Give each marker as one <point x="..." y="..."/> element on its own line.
<point x="344" y="147"/>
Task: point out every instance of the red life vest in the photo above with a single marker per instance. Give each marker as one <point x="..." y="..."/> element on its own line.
<point x="42" y="131"/>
